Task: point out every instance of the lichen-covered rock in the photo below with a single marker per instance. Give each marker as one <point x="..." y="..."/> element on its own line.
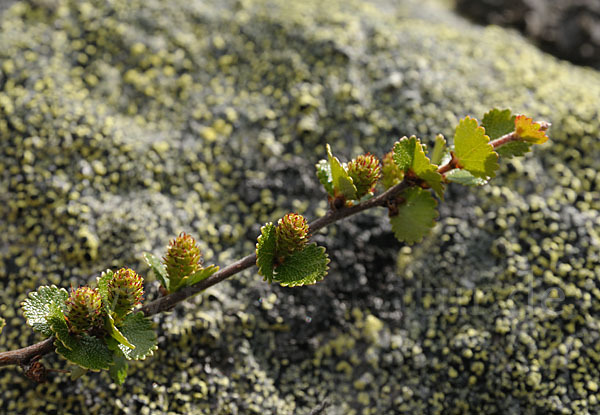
<point x="125" y="122"/>
<point x="567" y="29"/>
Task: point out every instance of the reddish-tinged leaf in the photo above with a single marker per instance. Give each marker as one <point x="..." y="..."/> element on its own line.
<point x="529" y="130"/>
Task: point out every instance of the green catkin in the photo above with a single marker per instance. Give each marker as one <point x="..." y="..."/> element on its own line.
<point x="183" y="258"/>
<point x="291" y="233"/>
<point x="84" y="309"/>
<point x="125" y="291"/>
<point x="365" y="171"/>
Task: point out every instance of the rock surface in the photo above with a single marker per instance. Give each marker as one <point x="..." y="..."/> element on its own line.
<point x="567" y="29"/>
<point x="126" y="122"/>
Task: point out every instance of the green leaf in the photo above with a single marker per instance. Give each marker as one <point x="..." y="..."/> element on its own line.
<point x="464" y="177"/>
<point x="200" y="275"/>
<point x="265" y="251"/>
<point x="324" y="175"/>
<point x="434" y="180"/>
<point x="513" y="149"/>
<point x="87" y="351"/>
<point x="2" y="324"/>
<point x="439" y="149"/>
<point x="102" y="285"/>
<point x="112" y="344"/>
<point x="159" y="269"/>
<point x="138" y="330"/>
<point x="416" y="216"/>
<point x="115" y="333"/>
<point x="118" y="371"/>
<point x="473" y="149"/>
<point x="41" y="304"/>
<point x="303" y="267"/>
<point x="61" y="330"/>
<point x="498" y="123"/>
<point x="404" y="152"/>
<point x="342" y="182"/>
<point x="409" y="155"/>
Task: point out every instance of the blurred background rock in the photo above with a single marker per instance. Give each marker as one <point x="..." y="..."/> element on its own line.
<point x="568" y="29"/>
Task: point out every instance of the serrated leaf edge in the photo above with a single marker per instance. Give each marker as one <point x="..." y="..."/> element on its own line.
<point x="267" y="277"/>
<point x="300" y="283"/>
<point x="324" y="175"/>
<point x="58" y="342"/>
<point x="433" y="220"/>
<point x="150" y="351"/>
<point x="472" y="149"/>
<point x="31" y="296"/>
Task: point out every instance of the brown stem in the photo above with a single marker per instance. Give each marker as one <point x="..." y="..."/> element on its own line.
<point x="505" y="139"/>
<point x="451" y="165"/>
<point x="25" y="355"/>
<point x="168" y="301"/>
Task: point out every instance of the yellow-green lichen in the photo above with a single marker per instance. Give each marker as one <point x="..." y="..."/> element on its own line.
<point x="125" y="122"/>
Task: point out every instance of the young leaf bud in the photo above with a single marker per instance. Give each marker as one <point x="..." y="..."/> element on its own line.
<point x="84" y="309"/>
<point x="291" y="233"/>
<point x="183" y="258"/>
<point x="365" y="172"/>
<point x="392" y="175"/>
<point x="125" y="291"/>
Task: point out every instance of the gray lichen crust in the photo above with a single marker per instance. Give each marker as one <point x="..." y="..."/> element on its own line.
<point x="124" y="123"/>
